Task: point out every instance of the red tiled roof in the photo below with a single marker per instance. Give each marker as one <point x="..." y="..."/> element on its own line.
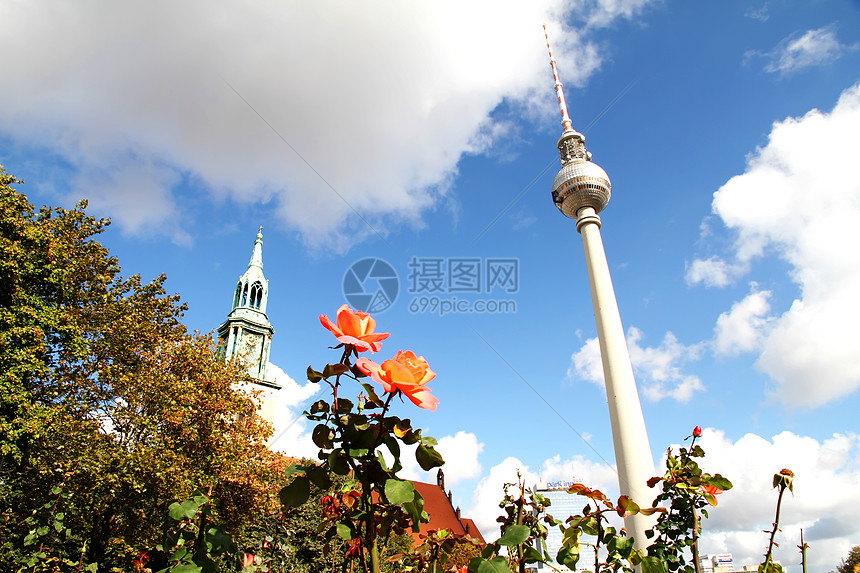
<point x="472" y="530"/>
<point x="442" y="514"/>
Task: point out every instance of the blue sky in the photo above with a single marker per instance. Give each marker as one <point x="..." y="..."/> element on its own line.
<point x="427" y="131"/>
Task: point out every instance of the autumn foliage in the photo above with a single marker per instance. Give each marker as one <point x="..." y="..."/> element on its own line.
<point x="111" y="411"/>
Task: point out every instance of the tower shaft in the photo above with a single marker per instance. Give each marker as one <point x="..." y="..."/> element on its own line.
<point x="633" y="456"/>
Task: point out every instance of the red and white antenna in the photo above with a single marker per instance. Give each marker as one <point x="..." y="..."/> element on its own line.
<point x="565" y="118"/>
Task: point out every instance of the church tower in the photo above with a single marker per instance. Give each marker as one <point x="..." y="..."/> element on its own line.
<point x="246" y="335"/>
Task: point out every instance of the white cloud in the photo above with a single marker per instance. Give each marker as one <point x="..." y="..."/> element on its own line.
<point x="586" y="363"/>
<point x="800" y="200"/>
<point x="291" y="435"/>
<point x="601" y="13"/>
<point x="460" y="452"/>
<point x="712" y="272"/>
<point x="490" y="490"/>
<point x="742" y="328"/>
<point x="762" y="14"/>
<point x="381" y="100"/>
<point x="825" y="502"/>
<point x="800" y="51"/>
<point x="657" y="369"/>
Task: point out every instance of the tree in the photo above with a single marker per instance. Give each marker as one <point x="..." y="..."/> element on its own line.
<point x="850" y="564"/>
<point x="110" y="409"/>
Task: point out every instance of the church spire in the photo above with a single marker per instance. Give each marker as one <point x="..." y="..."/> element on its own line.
<point x="252" y="291"/>
<point x="257" y="255"/>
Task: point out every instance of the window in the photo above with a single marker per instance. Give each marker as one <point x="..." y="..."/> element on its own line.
<point x="256" y="294"/>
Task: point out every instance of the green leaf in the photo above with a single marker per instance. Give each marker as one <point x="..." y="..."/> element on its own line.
<point x="393" y="447"/>
<point x="494" y="565"/>
<point x="720" y="482"/>
<point x="372" y="396"/>
<point x="323" y="437"/>
<point x="179" y="554"/>
<point x="429" y="441"/>
<point x="338" y="462"/>
<point x="334" y="370"/>
<point x="590" y="525"/>
<point x="294" y="469"/>
<point x="296" y="493"/>
<point x="185" y="510"/>
<point x="569" y="556"/>
<point x="342" y="406"/>
<point x="187" y="568"/>
<point x="532" y="555"/>
<point x="514" y="535"/>
<point x="428" y="458"/>
<point x="398" y="491"/>
<point x="626" y="507"/>
<point x="313" y="375"/>
<point x="651" y="564"/>
<point x="319" y="477"/>
<point x="319" y="406"/>
<point x="623" y="546"/>
<point x="219" y="541"/>
<point x="345" y="532"/>
<point x="415" y="509"/>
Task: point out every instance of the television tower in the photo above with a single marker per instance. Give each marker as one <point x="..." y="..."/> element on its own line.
<point x="581" y="190"/>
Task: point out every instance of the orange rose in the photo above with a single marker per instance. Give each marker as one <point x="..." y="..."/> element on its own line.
<point x="714" y="491"/>
<point x="355" y="328"/>
<point x="405" y="372"/>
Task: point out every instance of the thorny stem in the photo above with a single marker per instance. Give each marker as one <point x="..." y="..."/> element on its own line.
<point x="769" y="555"/>
<point x="696" y="537"/>
<point x="367" y="500"/>
<point x="597" y="541"/>
<point x="520" y="501"/>
<point x="803" y="547"/>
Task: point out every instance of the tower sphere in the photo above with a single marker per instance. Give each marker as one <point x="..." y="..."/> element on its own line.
<point x="581" y="183"/>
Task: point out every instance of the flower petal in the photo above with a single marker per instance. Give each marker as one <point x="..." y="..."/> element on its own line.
<point x="326" y="322"/>
<point x="359" y="344"/>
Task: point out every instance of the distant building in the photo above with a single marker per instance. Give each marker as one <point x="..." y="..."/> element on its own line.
<point x="246" y="335"/>
<point x="563" y="506"/>
<point x="716" y="563"/>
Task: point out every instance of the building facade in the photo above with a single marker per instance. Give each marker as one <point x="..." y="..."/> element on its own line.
<point x="563" y="505"/>
<point x="716" y="563"/>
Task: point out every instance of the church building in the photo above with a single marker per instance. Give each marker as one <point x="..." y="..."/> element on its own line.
<point x="246" y="335"/>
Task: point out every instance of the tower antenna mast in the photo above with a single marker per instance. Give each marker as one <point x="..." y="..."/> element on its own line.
<point x="562" y="104"/>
